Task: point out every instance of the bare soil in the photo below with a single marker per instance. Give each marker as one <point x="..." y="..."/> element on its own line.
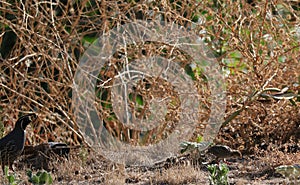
<point x="83" y="167"/>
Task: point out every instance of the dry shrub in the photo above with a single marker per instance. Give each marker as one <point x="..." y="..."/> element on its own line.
<point x="255" y="42"/>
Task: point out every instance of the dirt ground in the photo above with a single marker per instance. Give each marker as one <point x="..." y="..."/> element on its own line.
<point x="83" y="167"/>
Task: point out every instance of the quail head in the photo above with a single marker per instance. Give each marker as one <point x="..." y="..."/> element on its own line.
<point x="12" y="145"/>
<point x="222" y="152"/>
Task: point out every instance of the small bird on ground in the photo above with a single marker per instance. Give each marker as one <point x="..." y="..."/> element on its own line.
<point x="12" y="145"/>
<point x="289" y="171"/>
<point x="223" y="152"/>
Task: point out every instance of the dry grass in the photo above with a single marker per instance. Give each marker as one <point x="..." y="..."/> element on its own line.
<point x="181" y="175"/>
<point x="98" y="170"/>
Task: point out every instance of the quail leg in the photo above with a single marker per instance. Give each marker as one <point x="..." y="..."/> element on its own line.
<point x="3" y="169"/>
<point x="11" y="166"/>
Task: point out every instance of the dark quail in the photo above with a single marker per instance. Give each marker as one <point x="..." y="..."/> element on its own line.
<point x="223" y="152"/>
<point x="12" y="145"/>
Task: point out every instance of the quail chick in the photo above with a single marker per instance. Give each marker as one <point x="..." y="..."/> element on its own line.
<point x="223" y="152"/>
<point x="12" y="145"/>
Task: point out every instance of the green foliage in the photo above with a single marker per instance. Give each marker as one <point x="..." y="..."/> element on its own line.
<point x="41" y="177"/>
<point x="190" y="146"/>
<point x="199" y="139"/>
<point x="137" y="98"/>
<point x="10" y="178"/>
<point x="218" y="174"/>
<point x="188" y="69"/>
<point x="90" y="39"/>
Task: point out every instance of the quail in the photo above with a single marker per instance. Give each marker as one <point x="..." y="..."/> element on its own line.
<point x="223" y="152"/>
<point x="289" y="170"/>
<point x="12" y="145"/>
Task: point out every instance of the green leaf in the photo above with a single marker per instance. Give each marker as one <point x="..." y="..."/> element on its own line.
<point x="188" y="69"/>
<point x="29" y="173"/>
<point x="11" y="179"/>
<point x="89" y="39"/>
<point x="186" y="145"/>
<point x="34" y="179"/>
<point x="199" y="139"/>
<point x="138" y="98"/>
<point x="218" y="174"/>
<point x="45" y="178"/>
<point x="6" y="170"/>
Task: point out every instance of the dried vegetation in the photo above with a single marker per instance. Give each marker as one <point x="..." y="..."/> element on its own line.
<point x="256" y="43"/>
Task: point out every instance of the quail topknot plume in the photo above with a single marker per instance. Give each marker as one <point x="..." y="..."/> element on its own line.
<point x="12" y="145"/>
